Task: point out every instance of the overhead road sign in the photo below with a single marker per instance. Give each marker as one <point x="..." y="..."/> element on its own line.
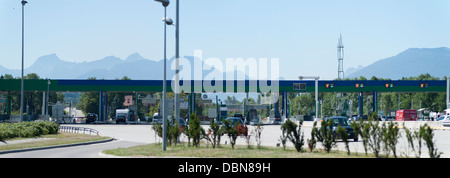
<point x="246" y="86"/>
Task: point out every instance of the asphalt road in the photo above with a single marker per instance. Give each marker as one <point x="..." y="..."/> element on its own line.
<point x="131" y="135"/>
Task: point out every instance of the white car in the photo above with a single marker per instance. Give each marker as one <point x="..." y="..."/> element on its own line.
<point x="445" y="120"/>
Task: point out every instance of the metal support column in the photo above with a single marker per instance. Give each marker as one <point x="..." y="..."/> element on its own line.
<point x="375" y="101"/>
<point x="8" y="103"/>
<point x="100" y="104"/>
<point x="192" y="103"/>
<point x="105" y="104"/>
<point x="283" y="104"/>
<point x="361" y="112"/>
<point x="275" y="108"/>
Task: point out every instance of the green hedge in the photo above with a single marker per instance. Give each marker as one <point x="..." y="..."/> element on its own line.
<point x="27" y="129"/>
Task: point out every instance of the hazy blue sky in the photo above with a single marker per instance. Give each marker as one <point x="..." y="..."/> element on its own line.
<point x="302" y="34"/>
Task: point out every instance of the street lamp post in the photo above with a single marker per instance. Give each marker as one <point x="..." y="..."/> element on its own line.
<point x="21" y="80"/>
<point x="177" y="63"/>
<point x="165" y="3"/>
<point x="47" y="96"/>
<point x="316" y="78"/>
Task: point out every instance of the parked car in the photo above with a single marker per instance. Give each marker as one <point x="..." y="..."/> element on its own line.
<point x="387" y="118"/>
<point x="240" y="124"/>
<point x="91" y="117"/>
<point x="122" y="115"/>
<point x="181" y="124"/>
<point x="157" y="119"/>
<point x="343" y="122"/>
<point x="239" y="115"/>
<point x="445" y="120"/>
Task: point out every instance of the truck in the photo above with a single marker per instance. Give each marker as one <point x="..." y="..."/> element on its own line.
<point x="406" y="115"/>
<point x="122" y="115"/>
<point x="423" y="114"/>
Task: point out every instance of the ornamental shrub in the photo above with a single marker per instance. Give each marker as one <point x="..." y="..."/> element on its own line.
<point x="27" y="129"/>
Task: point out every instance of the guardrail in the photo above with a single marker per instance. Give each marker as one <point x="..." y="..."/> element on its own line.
<point x="84" y="130"/>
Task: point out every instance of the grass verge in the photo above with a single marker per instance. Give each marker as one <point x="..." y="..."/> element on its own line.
<point x="225" y="151"/>
<point x="61" y="138"/>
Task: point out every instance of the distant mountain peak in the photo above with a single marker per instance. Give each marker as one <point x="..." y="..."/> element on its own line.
<point x="421" y="51"/>
<point x="135" y="57"/>
<point x="48" y="59"/>
<point x="411" y="62"/>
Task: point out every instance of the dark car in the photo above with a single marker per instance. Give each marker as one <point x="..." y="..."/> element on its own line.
<point x="239" y="115"/>
<point x="241" y="127"/>
<point x="181" y="124"/>
<point x="121" y="118"/>
<point x="343" y="122"/>
<point x="91" y="117"/>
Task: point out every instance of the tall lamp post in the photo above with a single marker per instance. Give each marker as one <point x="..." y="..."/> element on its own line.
<point x="21" y="80"/>
<point x="47" y="96"/>
<point x="165" y="3"/>
<point x="316" y="78"/>
<point x="177" y="63"/>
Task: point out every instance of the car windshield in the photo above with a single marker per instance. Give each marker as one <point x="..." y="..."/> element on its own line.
<point x="340" y="121"/>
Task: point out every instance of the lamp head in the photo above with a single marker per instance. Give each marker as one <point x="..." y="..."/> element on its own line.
<point x="24" y="2"/>
<point x="165" y="3"/>
<point x="168" y="20"/>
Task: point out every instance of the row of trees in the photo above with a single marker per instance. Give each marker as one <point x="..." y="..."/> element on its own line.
<point x="380" y="138"/>
<point x="195" y="132"/>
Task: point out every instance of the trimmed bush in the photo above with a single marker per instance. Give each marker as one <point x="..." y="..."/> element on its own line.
<point x="27" y="129"/>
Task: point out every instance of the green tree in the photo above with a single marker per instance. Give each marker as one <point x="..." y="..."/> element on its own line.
<point x="231" y="131"/>
<point x="294" y="134"/>
<point x="88" y="102"/>
<point x="414" y="139"/>
<point x="344" y="136"/>
<point x="214" y="133"/>
<point x="195" y="130"/>
<point x="326" y="136"/>
<point x="428" y="135"/>
<point x="391" y="135"/>
<point x="312" y="142"/>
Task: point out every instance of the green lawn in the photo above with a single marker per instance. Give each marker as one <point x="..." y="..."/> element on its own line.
<point x="225" y="151"/>
<point x="61" y="138"/>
